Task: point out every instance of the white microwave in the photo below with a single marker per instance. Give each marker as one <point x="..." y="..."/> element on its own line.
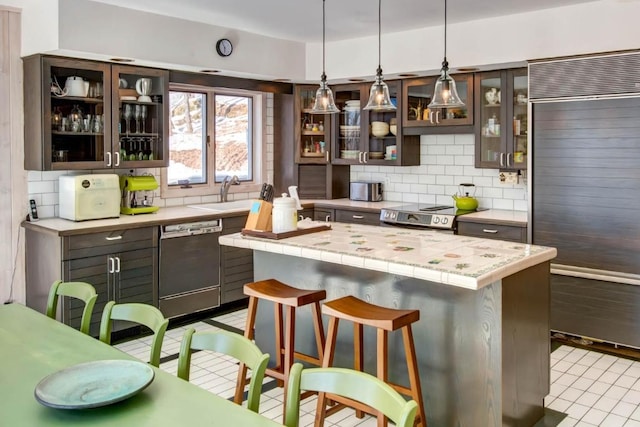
<point x="84" y="197"/>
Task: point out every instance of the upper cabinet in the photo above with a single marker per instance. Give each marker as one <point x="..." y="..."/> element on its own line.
<point x="139" y="116"/>
<point x="75" y="115"/>
<point x="371" y="137"/>
<point x="501" y="125"/>
<point x="418" y="93"/>
<point x="312" y="130"/>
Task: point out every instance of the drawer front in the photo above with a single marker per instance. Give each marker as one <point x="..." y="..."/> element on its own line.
<point x="108" y="242"/>
<point x="357" y="217"/>
<point x="323" y="215"/>
<point x="493" y="231"/>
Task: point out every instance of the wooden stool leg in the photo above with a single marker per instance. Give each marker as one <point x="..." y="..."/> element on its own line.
<point x="319" y="330"/>
<point x="249" y="332"/>
<point x="327" y="360"/>
<point x="289" y="339"/>
<point x="382" y="365"/>
<point x="358" y="354"/>
<point x="414" y="377"/>
<point x="279" y="336"/>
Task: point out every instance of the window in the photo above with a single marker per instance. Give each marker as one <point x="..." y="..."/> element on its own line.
<point x="213" y="133"/>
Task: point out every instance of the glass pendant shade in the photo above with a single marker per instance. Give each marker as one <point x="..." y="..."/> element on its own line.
<point x="379" y="98"/>
<point x="324" y="103"/>
<point x="446" y="94"/>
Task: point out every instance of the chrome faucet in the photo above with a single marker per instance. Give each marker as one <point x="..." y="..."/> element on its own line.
<point x="224" y="187"/>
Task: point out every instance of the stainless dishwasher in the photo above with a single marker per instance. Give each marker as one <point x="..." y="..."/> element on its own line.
<point x="189" y="278"/>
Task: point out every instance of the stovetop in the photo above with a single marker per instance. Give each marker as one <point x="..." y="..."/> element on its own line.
<point x="423" y="215"/>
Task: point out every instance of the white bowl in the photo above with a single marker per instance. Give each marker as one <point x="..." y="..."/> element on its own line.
<point x="380" y="129"/>
<point x="393" y="129"/>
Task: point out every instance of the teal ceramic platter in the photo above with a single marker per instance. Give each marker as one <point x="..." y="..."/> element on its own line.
<point x="93" y="384"/>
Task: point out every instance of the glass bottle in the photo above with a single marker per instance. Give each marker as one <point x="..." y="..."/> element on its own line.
<point x="76" y="118"/>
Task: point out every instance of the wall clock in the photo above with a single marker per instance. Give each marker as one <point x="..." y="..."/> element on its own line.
<point x="224" y="47"/>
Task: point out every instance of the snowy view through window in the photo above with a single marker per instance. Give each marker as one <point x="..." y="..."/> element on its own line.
<point x="187" y="137"/>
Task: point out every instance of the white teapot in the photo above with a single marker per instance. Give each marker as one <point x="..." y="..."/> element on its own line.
<point x="76" y="86"/>
<point x="492" y="96"/>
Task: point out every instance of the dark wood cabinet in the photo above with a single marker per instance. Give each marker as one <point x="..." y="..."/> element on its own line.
<point x="371" y="137"/>
<point x="501" y="119"/>
<point x="75" y="115"/>
<point x="418" y="93"/>
<point x="323" y="214"/>
<point x="312" y="131"/>
<point x="236" y="264"/>
<point x="357" y="217"/>
<point x="497" y="231"/>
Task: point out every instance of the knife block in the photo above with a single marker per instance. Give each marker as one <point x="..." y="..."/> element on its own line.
<point x="259" y="216"/>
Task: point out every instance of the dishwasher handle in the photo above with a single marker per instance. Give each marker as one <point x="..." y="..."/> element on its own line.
<point x="190" y="229"/>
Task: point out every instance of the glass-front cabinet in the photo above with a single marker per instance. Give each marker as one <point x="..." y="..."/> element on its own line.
<point x="65" y="105"/>
<point x="418" y="93"/>
<point x="371" y="137"/>
<point x="312" y="130"/>
<point x="74" y="115"/>
<point x="502" y="119"/>
<point x="140" y="109"/>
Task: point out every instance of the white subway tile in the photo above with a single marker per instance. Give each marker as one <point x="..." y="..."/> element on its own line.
<point x="40" y="187"/>
<point x="49" y="199"/>
<point x="403" y="188"/>
<point x="503" y="204"/>
<point x="444" y="180"/>
<point x="46" y="211"/>
<point x="520" y="205"/>
<point x="426" y="198"/>
<point x="513" y="193"/>
<point x="472" y="171"/>
<point x="454" y="170"/>
<point x="177" y="201"/>
<point x="410" y="198"/>
<point x="445" y="139"/>
<point x="445" y="160"/>
<point x="393" y="196"/>
<point x="435" y="189"/>
<point x="410" y="179"/>
<point x="418" y="188"/>
<point x="495" y="193"/>
<point x="427" y="179"/>
<point x="37" y="198"/>
<point x="468" y="139"/>
<point x="34" y="175"/>
<point x="433" y="150"/>
<point x="483" y="181"/>
<point x="436" y="170"/>
<point x="454" y="150"/>
<point x="464" y="160"/>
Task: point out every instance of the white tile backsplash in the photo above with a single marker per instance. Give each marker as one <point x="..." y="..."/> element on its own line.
<point x="445" y="162"/>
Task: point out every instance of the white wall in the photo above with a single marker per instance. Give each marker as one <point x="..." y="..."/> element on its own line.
<point x="39" y="24"/>
<point x="598" y="26"/>
<point x="445" y="162"/>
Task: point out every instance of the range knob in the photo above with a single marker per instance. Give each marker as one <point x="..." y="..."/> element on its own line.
<point x="436" y="219"/>
<point x="445" y="220"/>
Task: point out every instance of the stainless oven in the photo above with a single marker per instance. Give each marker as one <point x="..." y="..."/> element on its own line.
<point x="438" y="217"/>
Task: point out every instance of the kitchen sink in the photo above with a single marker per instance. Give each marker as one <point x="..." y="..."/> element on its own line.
<point x="236" y="205"/>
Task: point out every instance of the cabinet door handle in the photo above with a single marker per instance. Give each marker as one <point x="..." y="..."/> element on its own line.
<point x="486" y="230"/>
<point x="508" y="162"/>
<point x="502" y="159"/>
<point x="108" y="154"/>
<point x="365" y="155"/>
<point x="327" y="156"/>
<point x="117" y="154"/>
<point x="117" y="264"/>
<point x="111" y="265"/>
<point x="327" y="218"/>
<point x="430" y="116"/>
<point x="357" y="216"/>
<point x="113" y="237"/>
<point x="437" y="117"/>
<point x="359" y="156"/>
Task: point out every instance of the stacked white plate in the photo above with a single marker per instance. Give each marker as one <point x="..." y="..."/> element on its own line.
<point x="352" y="105"/>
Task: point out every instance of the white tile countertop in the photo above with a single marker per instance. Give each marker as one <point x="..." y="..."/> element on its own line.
<point x="467" y="262"/>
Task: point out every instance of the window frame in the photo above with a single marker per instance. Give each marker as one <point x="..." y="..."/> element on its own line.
<point x="259" y="145"/>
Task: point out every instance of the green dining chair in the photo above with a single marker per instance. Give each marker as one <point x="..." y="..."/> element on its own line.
<point x="143" y="314"/>
<point x="231" y="344"/>
<point x="354" y="385"/>
<point x="80" y="290"/>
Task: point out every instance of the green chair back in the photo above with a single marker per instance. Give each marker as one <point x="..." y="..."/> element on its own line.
<point x="143" y="314"/>
<point x="231" y="344"/>
<point x="352" y="384"/>
<point x="80" y="290"/>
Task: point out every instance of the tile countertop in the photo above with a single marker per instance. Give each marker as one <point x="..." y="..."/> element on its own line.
<point x="493" y="216"/>
<point x="466" y="262"/>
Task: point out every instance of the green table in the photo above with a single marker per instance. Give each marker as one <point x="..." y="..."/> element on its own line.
<point x="33" y="346"/>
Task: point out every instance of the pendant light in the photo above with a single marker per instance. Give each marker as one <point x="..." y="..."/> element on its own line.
<point x="446" y="94"/>
<point x="379" y="99"/>
<point x="324" y="103"/>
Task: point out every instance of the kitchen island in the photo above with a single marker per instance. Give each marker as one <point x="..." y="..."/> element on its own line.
<point x="482" y="340"/>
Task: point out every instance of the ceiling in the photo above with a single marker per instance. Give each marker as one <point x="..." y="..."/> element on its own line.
<point x="301" y="20"/>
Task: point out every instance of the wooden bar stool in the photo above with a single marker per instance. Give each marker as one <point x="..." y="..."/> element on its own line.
<point x="289" y="298"/>
<point x="384" y="320"/>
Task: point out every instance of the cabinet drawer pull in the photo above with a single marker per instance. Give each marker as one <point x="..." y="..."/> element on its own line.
<point x="111" y="265"/>
<point x="117" y="264"/>
<point x="113" y="237"/>
<point x="327" y="218"/>
<point x="357" y="217"/>
<point x="485" y="230"/>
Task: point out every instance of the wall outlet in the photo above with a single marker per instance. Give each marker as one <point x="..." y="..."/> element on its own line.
<point x="509" y="177"/>
<point x="387" y="180"/>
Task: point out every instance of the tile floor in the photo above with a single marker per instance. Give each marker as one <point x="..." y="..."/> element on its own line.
<point x="592" y="388"/>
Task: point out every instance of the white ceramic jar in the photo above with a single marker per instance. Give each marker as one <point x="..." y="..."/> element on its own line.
<point x="284" y="214"/>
